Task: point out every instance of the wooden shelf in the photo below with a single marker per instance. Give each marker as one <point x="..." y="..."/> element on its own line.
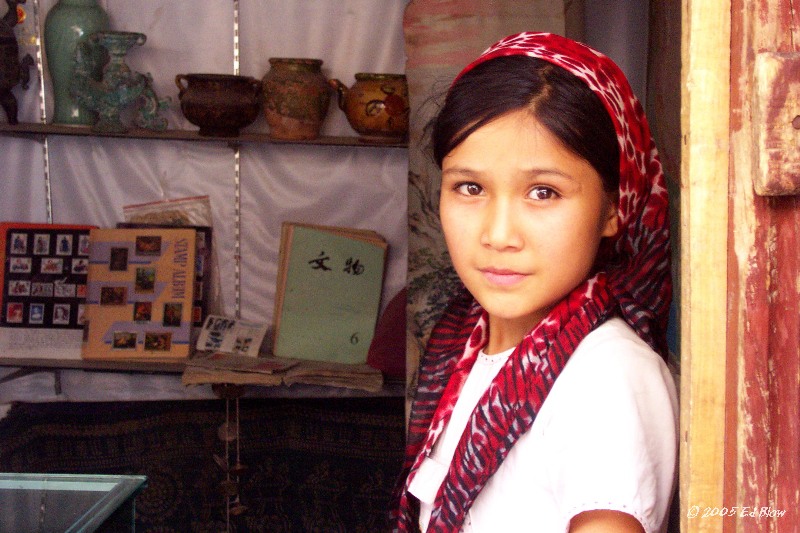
<point x="30" y="129"/>
<point x="147" y="367"/>
<point x="23" y="367"/>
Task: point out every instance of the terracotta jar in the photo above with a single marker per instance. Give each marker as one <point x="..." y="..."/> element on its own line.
<point x="296" y="98"/>
<point x="221" y="104"/>
<point x="376" y="106"/>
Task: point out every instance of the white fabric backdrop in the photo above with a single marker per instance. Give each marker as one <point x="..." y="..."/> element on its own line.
<point x="92" y="179"/>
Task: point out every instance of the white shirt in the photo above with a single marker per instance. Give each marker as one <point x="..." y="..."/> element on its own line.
<point x="605" y="438"/>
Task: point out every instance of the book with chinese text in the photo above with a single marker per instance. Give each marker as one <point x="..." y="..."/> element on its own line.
<point x="328" y="292"/>
<point x="140" y="294"/>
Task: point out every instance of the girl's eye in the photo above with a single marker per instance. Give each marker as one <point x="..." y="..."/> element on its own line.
<point x="543" y="193"/>
<point x="469" y="189"/>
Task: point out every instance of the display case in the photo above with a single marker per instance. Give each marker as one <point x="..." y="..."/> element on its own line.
<point x="68" y="502"/>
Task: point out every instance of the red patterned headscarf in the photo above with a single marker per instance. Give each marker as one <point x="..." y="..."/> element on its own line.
<point x="636" y="287"/>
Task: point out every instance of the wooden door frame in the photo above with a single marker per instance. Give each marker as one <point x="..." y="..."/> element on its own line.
<point x="705" y="149"/>
<point x="740" y="320"/>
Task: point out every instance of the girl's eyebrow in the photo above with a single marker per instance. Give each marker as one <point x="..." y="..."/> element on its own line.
<point x="530" y="173"/>
<point x="459" y="170"/>
<point x="536" y="172"/>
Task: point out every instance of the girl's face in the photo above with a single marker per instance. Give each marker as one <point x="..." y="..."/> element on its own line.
<point x="523" y="217"/>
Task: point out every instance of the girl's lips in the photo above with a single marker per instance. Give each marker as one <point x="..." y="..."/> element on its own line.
<point x="502" y="277"/>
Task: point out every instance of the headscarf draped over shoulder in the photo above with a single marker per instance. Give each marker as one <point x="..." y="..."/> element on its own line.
<point x="636" y="286"/>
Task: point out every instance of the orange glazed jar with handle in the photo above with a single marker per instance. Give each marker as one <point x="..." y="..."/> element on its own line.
<point x="376" y="106"/>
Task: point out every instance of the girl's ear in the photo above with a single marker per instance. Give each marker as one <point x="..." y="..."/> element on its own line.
<point x="611" y="224"/>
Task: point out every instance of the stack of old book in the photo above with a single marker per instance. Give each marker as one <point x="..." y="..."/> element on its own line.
<point x="230" y="351"/>
<point x="219" y="367"/>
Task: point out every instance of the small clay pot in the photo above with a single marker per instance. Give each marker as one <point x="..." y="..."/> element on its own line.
<point x="296" y="98"/>
<point x="376" y="106"/>
<point x="221" y="104"/>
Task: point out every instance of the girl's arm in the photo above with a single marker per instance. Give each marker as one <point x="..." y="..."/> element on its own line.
<point x="604" y="522"/>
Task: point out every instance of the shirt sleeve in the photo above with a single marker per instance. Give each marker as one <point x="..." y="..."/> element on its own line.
<point x="614" y="443"/>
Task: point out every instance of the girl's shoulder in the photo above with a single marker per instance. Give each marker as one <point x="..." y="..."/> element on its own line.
<point x="612" y="370"/>
<point x="614" y="347"/>
<point x="604" y="438"/>
<point x="614" y="330"/>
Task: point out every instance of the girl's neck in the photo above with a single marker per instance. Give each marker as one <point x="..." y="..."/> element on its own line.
<point x="505" y="334"/>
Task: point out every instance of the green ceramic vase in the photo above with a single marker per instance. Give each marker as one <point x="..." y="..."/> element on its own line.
<point x="68" y="22"/>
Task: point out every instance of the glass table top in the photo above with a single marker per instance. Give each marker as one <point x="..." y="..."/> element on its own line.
<point x="62" y="502"/>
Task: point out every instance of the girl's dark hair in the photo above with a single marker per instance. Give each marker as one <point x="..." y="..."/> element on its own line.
<point x="558" y="99"/>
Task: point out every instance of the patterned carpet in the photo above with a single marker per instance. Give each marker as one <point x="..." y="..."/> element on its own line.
<point x="313" y="465"/>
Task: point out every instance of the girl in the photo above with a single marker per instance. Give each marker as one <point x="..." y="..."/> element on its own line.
<point x="544" y="403"/>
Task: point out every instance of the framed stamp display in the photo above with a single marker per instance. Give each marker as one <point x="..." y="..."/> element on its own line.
<point x="203" y="278"/>
<point x="44" y="277"/>
<point x="140" y="293"/>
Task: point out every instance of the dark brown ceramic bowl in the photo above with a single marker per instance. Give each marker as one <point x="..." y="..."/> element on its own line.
<point x="221" y="104"/>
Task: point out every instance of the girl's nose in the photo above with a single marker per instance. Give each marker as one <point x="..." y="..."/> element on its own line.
<point x="500" y="227"/>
